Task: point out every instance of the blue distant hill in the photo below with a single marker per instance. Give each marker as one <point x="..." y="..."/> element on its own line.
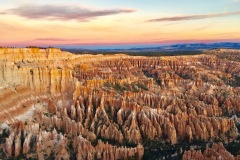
<point x="167" y="48"/>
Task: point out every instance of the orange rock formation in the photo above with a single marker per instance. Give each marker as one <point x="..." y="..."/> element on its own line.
<point x="61" y="105"/>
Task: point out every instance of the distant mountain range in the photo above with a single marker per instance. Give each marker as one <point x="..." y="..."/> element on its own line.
<point x="167" y="48"/>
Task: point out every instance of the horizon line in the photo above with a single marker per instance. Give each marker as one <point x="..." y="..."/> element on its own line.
<point x="165" y="42"/>
<point x="112" y="45"/>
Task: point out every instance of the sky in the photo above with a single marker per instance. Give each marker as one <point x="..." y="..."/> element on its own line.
<point x="98" y="23"/>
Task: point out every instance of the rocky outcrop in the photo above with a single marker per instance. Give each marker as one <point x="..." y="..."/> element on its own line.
<point x="106" y="151"/>
<point x="217" y="151"/>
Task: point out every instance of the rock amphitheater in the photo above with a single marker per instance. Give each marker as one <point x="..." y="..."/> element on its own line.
<point x="58" y="105"/>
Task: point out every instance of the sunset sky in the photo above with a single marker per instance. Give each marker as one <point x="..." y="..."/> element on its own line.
<point x="117" y="23"/>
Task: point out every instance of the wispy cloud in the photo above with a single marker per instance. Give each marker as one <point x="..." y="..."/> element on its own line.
<point x="62" y="12"/>
<point x="194" y="17"/>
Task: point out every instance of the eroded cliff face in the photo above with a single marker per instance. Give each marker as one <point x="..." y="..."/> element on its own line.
<point x="60" y="105"/>
<point x="33" y="54"/>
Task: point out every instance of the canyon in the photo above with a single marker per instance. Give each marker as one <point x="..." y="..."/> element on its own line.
<point x="59" y="105"/>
